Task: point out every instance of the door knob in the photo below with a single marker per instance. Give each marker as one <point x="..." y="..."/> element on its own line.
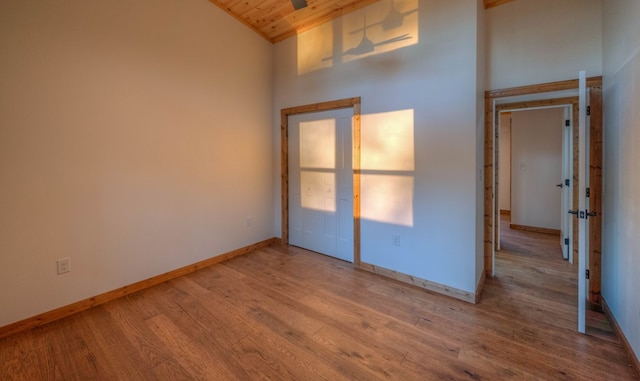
<point x="560" y="186"/>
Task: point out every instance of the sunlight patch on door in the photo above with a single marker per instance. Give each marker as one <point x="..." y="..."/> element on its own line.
<point x="318" y="144"/>
<point x="318" y="164"/>
<point x="318" y="190"/>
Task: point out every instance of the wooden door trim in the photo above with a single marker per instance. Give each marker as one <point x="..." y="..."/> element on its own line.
<point x="571" y="84"/>
<point x="354" y="103"/>
<point x="539" y="103"/>
<point x="595" y="200"/>
<point x="594" y="86"/>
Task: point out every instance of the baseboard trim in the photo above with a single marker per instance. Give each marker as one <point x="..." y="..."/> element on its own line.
<point x="635" y="362"/>
<point x="534" y="229"/>
<point x="480" y="286"/>
<point x="466" y="296"/>
<point x="82" y="305"/>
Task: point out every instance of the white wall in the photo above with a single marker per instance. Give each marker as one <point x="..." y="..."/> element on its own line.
<point x="132" y="140"/>
<point x="536" y="167"/>
<point x="537" y="41"/>
<point x="435" y="79"/>
<point x="621" y="212"/>
<point x="505" y="161"/>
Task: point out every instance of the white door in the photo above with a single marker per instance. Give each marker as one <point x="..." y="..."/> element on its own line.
<point x="582" y="203"/>
<point x="321" y="182"/>
<point x="566" y="237"/>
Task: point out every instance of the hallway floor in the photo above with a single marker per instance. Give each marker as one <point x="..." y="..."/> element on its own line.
<point x="545" y="252"/>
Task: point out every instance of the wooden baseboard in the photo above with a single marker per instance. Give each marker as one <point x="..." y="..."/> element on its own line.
<point x="505" y="212"/>
<point x="635" y="362"/>
<point x="480" y="286"/>
<point x="62" y="312"/>
<point x="535" y="229"/>
<point x="466" y="296"/>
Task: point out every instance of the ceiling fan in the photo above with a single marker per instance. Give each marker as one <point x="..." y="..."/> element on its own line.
<point x="299" y="4"/>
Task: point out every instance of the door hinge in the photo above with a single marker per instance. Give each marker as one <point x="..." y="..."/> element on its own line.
<point x="588" y="192"/>
<point x="566" y="182"/>
<point x="587" y="273"/>
<point x="588" y="110"/>
<point x="567" y="123"/>
<point x="566" y="241"/>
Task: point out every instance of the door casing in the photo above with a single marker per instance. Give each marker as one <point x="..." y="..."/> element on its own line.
<point x="353" y="103"/>
<point x="491" y="210"/>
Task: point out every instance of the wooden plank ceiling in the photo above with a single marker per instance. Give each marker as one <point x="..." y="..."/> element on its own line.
<point x="276" y="20"/>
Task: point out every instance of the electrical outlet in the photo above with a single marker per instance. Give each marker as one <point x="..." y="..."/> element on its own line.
<point x="395" y="239"/>
<point x="64" y="265"/>
<point x="249" y="221"/>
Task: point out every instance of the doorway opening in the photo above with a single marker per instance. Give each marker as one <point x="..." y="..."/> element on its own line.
<point x="535" y="157"/>
<point x="535" y="169"/>
<point x="545" y="95"/>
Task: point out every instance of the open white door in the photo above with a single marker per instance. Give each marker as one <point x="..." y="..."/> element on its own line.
<point x="500" y="177"/>
<point x="566" y="238"/>
<point x="582" y="202"/>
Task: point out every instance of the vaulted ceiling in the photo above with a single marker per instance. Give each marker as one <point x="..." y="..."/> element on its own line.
<point x="276" y="20"/>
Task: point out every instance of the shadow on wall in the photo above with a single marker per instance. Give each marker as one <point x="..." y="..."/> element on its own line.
<point x="382" y="27"/>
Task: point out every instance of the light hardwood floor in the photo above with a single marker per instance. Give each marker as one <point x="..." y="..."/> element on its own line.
<point x="545" y="249"/>
<point x="289" y="314"/>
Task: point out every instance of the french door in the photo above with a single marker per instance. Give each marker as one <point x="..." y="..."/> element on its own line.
<point x="321" y="182"/>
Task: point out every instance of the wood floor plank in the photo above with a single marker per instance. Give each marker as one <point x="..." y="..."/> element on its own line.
<point x="198" y="363"/>
<point x="19" y="356"/>
<point x="206" y="332"/>
<point x="267" y="360"/>
<point x="123" y="331"/>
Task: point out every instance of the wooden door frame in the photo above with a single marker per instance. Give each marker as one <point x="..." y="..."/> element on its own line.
<point x="491" y="213"/>
<point x="284" y="162"/>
